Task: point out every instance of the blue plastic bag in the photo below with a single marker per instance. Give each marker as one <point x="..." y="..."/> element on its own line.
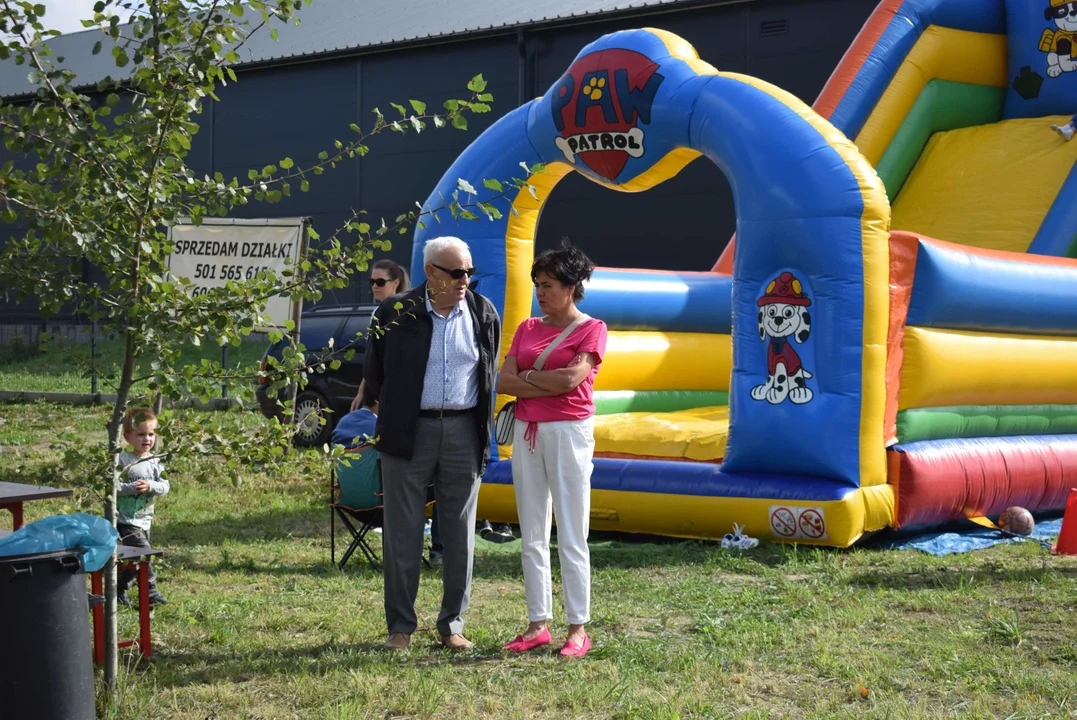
<point x="94" y="535"/>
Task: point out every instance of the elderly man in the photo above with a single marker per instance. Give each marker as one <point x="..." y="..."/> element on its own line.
<point x="432" y="363"/>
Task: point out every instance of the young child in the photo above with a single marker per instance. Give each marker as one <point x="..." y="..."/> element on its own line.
<point x="1068" y="130"/>
<point x="143" y="483"/>
<point x="359" y="426"/>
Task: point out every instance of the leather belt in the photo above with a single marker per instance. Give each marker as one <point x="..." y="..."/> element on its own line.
<point x="444" y="413"/>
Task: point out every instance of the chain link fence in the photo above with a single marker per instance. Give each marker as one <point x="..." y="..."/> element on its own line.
<point x="57" y="354"/>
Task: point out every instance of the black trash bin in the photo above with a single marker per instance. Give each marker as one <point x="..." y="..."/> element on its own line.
<point x="46" y="666"/>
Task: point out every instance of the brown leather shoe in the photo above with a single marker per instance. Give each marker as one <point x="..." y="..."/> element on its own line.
<point x="456" y="642"/>
<point x="398" y="641"/>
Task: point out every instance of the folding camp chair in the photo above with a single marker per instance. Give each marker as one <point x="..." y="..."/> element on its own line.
<point x="355" y="497"/>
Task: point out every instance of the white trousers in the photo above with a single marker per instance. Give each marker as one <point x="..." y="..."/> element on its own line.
<point x="558" y="469"/>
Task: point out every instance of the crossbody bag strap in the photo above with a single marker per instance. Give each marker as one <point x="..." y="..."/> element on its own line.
<point x="541" y="359"/>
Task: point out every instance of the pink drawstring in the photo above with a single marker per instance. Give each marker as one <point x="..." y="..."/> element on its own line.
<point x="530" y="435"/>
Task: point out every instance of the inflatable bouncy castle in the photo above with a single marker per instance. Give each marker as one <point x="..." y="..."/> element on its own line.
<point x="891" y="338"/>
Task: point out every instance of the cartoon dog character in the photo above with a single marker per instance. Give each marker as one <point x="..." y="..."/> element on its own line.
<point x="783" y="316"/>
<point x="1060" y="44"/>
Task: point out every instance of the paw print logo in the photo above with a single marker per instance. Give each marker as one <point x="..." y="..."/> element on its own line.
<point x="593" y="90"/>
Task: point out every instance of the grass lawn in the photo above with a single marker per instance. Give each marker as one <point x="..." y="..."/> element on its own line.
<point x="260" y="625"/>
<point x="62" y="367"/>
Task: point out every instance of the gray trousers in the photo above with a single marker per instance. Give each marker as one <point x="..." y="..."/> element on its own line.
<point x="446" y="454"/>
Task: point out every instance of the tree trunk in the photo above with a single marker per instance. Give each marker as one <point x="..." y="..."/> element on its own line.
<point x="111" y="635"/>
<point x="115" y="445"/>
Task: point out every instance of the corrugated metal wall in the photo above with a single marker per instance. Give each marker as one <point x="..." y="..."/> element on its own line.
<point x="298" y="110"/>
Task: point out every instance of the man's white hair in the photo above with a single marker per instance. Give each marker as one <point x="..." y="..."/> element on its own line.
<point x="438" y="245"/>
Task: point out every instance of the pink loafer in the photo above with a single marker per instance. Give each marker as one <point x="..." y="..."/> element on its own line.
<point x="520" y="645"/>
<point x="571" y="649"/>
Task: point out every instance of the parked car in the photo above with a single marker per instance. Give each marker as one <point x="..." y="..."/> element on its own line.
<point x="328" y="394"/>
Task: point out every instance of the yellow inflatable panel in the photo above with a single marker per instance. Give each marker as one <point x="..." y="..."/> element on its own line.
<point x="694" y="516"/>
<point x="951" y="367"/>
<point x="698" y="434"/>
<point x="940" y="53"/>
<point x="665" y="361"/>
<point x="988" y="186"/>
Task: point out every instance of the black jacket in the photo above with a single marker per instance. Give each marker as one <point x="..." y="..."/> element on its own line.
<point x="395" y="367"/>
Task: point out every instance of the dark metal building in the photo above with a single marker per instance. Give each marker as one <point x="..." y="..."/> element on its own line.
<point x="296" y="96"/>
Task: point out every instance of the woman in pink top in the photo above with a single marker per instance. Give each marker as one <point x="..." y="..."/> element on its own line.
<point x="554" y="444"/>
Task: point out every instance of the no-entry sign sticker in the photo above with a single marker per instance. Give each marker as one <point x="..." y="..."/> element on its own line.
<point x="801" y="523"/>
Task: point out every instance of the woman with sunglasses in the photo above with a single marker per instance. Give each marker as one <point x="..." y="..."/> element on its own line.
<point x="387" y="278"/>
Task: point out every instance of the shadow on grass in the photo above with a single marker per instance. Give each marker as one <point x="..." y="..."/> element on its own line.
<point x="210" y="667"/>
<point x="958" y="578"/>
<point x="254" y="524"/>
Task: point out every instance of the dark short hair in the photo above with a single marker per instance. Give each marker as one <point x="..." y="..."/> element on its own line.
<point x="369" y="398"/>
<point x="396" y="272"/>
<point x="567" y="264"/>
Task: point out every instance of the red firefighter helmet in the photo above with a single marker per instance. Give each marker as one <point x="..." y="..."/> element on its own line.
<point x="784" y="289"/>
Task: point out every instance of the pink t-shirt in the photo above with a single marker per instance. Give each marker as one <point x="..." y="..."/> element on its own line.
<point x="530" y="340"/>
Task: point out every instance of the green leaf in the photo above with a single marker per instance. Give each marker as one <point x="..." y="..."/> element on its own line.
<point x="232" y="74"/>
<point x="96" y="47"/>
<point x="286" y="163"/>
<point x="459" y="122"/>
<point x="419" y="107"/>
<point x="480" y="107"/>
<point x="494" y="185"/>
<point x="8" y="216"/>
<point x="485" y="97"/>
<point x="323" y="155"/>
<point x="237" y="10"/>
<point x="477" y="84"/>
<point x="304" y="185"/>
<point x="400" y="109"/>
<point x="112" y="100"/>
<point x="273" y="33"/>
<point x="364" y="228"/>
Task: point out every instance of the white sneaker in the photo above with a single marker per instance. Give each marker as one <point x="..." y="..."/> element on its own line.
<point x="737" y="540"/>
<point x="1066" y="131"/>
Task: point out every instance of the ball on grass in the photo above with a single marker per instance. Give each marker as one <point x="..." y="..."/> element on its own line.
<point x="1016" y="520"/>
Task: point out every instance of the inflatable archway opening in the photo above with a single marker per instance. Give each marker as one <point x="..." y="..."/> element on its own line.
<point x="769" y="397"/>
<point x="744" y="364"/>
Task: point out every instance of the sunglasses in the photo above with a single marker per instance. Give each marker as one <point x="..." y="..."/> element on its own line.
<point x="457" y="273"/>
<point x="380" y="282"/>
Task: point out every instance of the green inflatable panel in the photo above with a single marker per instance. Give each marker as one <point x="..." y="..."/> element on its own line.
<point x="943" y="105"/>
<point x="970" y="421"/>
<point x="610" y="402"/>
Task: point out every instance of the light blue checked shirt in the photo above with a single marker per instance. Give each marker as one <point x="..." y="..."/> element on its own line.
<point x="452" y="379"/>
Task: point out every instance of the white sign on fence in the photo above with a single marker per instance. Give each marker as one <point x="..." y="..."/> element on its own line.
<point x="223" y="249"/>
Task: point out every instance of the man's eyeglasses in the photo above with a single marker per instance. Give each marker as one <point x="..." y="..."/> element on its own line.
<point x="380" y="282"/>
<point x="457" y="273"/>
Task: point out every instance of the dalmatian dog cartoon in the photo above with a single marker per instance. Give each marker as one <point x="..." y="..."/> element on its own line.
<point x="1060" y="43"/>
<point x="784" y="318"/>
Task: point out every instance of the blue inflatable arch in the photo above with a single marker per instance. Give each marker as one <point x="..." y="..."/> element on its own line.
<point x="812" y="226"/>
